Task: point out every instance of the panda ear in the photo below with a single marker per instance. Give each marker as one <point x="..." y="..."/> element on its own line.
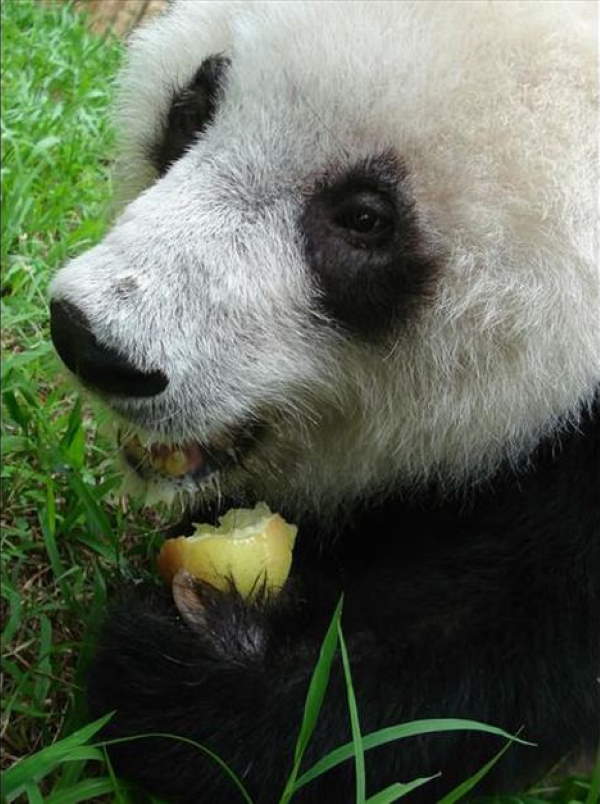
<point x="187" y="599"/>
<point x="190" y="113"/>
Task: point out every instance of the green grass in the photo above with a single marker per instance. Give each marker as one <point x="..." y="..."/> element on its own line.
<point x="65" y="533"/>
<point x="61" y="535"/>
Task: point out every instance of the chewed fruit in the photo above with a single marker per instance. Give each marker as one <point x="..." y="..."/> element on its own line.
<point x="250" y="547"/>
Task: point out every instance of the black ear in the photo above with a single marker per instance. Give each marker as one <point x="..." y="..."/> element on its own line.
<point x="191" y="111"/>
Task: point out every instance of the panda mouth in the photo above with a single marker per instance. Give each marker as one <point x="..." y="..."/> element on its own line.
<point x="189" y="461"/>
<point x="169" y="462"/>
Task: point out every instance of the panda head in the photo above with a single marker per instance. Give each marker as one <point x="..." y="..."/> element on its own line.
<point x="357" y="252"/>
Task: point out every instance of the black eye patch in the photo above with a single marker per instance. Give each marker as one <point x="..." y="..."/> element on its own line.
<point x="363" y="246"/>
<point x="191" y="111"/>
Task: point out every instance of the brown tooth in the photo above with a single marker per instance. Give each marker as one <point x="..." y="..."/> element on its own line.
<point x="176" y="464"/>
<point x="159" y="453"/>
<point x="195" y="456"/>
<point x="175" y="461"/>
<point x="134" y="449"/>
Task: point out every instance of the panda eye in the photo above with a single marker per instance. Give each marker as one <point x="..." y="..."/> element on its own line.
<point x="366" y="215"/>
<point x="364" y="221"/>
<point x="363" y="246"/>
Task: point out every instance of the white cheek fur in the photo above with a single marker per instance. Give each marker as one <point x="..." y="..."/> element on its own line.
<point x="492" y="108"/>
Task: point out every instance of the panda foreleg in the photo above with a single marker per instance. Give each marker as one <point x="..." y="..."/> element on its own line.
<point x="236" y="680"/>
<point x="232" y="676"/>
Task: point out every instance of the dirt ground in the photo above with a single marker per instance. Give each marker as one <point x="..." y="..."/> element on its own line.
<point x="119" y="16"/>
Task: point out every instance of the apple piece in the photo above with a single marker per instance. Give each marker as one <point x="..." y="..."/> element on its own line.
<point x="249" y="547"/>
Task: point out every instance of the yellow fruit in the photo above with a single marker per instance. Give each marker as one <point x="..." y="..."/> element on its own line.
<point x="248" y="547"/>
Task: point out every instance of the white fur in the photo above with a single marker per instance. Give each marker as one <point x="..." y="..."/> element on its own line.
<point x="492" y="108"/>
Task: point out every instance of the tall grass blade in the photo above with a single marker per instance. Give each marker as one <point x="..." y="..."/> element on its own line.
<point x="31" y="769"/>
<point x="50" y="506"/>
<point x="73" y="442"/>
<point x="116" y="787"/>
<point x="398" y="790"/>
<point x="41" y="685"/>
<point x="95" y="513"/>
<point x="13" y="622"/>
<point x="33" y="793"/>
<point x="73" y="424"/>
<point x="82" y="791"/>
<point x="593" y="796"/>
<point x="17" y="413"/>
<point x="359" y="753"/>
<point x="401" y="731"/>
<point x="469" y="784"/>
<point x="47" y="520"/>
<point x="18" y="361"/>
<point x="314" y="699"/>
<point x="102" y="541"/>
<point x="164" y="735"/>
<point x="71" y="770"/>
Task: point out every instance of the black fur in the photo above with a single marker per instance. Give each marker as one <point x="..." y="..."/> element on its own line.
<point x="367" y="281"/>
<point x="486" y="609"/>
<point x="192" y="110"/>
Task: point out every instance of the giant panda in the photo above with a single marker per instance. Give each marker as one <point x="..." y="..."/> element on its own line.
<point x="355" y="275"/>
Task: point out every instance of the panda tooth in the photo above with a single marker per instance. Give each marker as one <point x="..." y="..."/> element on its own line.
<point x="176" y="463"/>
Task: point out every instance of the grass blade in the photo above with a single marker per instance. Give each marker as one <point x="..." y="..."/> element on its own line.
<point x="359" y="753"/>
<point x="102" y="539"/>
<point x="593" y="796"/>
<point x="47" y="519"/>
<point x="401" y="731"/>
<point x="50" y="506"/>
<point x="314" y="699"/>
<point x="82" y="791"/>
<point x="95" y="513"/>
<point x="13" y="622"/>
<point x="73" y="424"/>
<point x="31" y="769"/>
<point x="33" y="793"/>
<point x="469" y="784"/>
<point x="17" y="413"/>
<point x="84" y="753"/>
<point x="41" y="685"/>
<point x="398" y="790"/>
<point x="116" y="787"/>
<point x="220" y="762"/>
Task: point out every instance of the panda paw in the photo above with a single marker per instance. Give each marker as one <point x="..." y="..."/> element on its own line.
<point x="205" y="665"/>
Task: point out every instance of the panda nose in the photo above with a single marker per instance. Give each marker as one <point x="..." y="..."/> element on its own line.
<point x="99" y="366"/>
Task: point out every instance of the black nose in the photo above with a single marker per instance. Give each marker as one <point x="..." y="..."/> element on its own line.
<point x="97" y="365"/>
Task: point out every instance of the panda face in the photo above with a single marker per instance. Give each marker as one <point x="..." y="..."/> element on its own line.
<point x="357" y="246"/>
